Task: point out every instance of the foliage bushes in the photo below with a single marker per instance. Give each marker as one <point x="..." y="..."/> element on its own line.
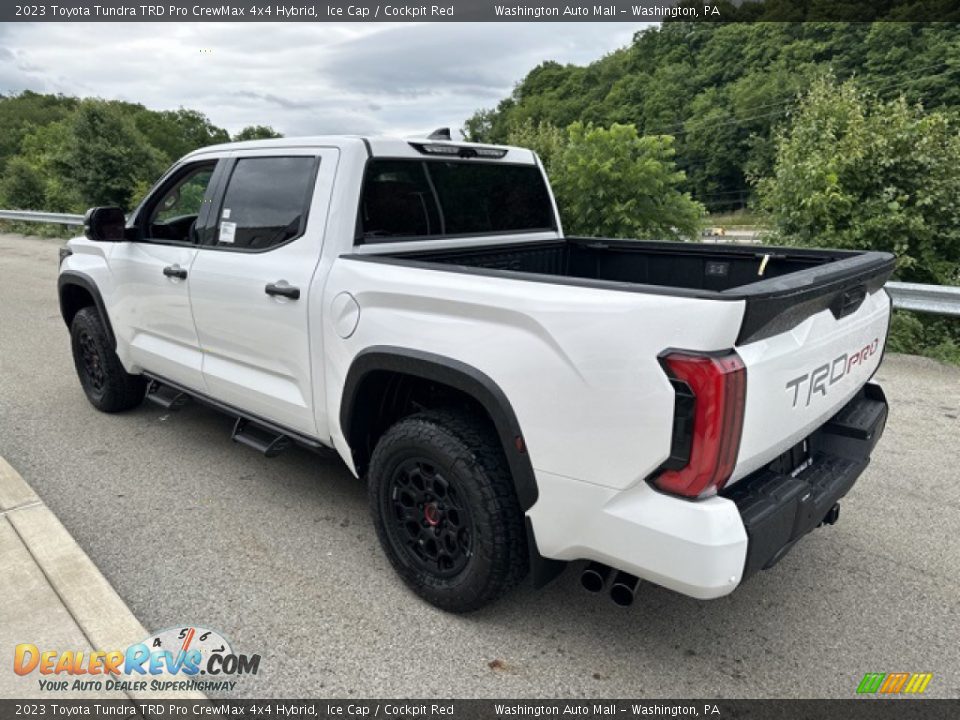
<point x="610" y="182"/>
<point x="62" y="154"/>
<point x="723" y="89"/>
<point x="717" y="111"/>
<point x="853" y="171"/>
<point x="935" y="337"/>
<point x="753" y="107"/>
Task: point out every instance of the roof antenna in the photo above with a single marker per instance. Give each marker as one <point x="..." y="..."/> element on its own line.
<point x="440" y="134"/>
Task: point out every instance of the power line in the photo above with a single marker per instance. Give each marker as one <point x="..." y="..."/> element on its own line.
<point x="793" y="99"/>
<point x="715" y="199"/>
<point x="722" y="194"/>
<point x="684" y="127"/>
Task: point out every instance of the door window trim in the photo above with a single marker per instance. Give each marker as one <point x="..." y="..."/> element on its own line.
<point x="230" y="165"/>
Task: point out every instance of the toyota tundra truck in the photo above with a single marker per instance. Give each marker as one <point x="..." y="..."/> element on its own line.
<point x="514" y="398"/>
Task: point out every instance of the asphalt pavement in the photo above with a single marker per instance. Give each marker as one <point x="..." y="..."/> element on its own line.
<point x="54" y="598"/>
<point x="279" y="556"/>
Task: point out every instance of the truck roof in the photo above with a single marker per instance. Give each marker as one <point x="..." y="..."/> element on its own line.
<point x="377" y="146"/>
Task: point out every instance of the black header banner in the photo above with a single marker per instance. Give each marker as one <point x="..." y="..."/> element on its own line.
<point x="579" y="709"/>
<point x="483" y="11"/>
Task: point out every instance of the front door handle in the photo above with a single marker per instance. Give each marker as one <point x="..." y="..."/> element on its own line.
<point x="175" y="271"/>
<point x="283" y="289"/>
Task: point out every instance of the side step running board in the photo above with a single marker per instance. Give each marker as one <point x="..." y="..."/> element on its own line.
<point x="261" y="435"/>
<point x="260" y="438"/>
<point x="165" y="396"/>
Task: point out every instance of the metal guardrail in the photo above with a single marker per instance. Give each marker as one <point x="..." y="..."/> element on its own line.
<point x="41" y="217"/>
<point x="738" y="237"/>
<point x="935" y="299"/>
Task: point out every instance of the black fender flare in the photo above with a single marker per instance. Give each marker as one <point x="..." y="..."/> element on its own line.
<point x="72" y="277"/>
<point x="491" y="398"/>
<point x="455" y="374"/>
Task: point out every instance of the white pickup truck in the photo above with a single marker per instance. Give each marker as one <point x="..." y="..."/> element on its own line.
<point x="515" y="398"/>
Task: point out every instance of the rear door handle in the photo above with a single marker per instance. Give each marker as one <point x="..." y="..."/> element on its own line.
<point x="175" y="271"/>
<point x="283" y="289"/>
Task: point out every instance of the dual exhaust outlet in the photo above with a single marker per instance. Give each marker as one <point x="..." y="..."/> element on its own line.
<point x="623" y="588"/>
<point x="596" y="576"/>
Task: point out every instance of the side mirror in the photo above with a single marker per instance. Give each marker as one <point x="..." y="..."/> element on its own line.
<point x="105" y="224"/>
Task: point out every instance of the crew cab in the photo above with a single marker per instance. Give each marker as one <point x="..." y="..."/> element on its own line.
<point x="515" y="398"/>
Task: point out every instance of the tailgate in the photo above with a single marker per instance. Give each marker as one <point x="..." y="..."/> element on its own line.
<point x="799" y="378"/>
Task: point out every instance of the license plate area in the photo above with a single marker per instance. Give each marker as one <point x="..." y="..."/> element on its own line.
<point x="794" y="461"/>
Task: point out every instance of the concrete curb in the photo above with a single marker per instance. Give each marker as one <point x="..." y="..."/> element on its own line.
<point x="100" y="613"/>
<point x="14" y="491"/>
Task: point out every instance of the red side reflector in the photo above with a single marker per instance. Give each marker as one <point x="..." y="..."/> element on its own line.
<point x="719" y="386"/>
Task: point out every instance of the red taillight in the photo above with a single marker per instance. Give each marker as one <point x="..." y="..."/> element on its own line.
<point x="719" y="387"/>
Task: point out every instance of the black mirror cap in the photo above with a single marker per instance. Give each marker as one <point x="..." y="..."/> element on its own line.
<point x="106" y="224"/>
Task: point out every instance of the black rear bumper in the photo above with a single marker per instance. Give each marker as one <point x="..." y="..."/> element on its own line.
<point x="779" y="505"/>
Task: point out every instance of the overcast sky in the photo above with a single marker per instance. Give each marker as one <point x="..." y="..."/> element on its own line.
<point x="301" y="78"/>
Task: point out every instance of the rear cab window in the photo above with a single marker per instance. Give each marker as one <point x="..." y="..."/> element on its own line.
<point x="407" y="199"/>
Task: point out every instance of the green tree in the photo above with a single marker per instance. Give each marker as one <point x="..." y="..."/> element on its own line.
<point x="610" y="182"/>
<point x="257" y="132"/>
<point x="39" y="150"/>
<point x="724" y="89"/>
<point x="106" y="156"/>
<point x="714" y="148"/>
<point x="854" y="171"/>
<point x="479" y="126"/>
<point x="546" y="140"/>
<point x="23" y="113"/>
<point x="176" y="132"/>
<point x="22" y="186"/>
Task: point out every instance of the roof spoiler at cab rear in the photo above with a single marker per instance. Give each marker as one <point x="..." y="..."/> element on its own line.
<point x="459" y="151"/>
<point x="779" y="304"/>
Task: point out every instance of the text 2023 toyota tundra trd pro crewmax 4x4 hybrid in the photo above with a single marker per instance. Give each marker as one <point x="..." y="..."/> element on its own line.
<point x="516" y="398"/>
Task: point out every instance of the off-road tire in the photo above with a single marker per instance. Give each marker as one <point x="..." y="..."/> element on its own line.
<point x="108" y="387"/>
<point x="466" y="455"/>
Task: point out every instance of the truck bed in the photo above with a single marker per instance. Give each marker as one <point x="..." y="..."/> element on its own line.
<point x="781" y="286"/>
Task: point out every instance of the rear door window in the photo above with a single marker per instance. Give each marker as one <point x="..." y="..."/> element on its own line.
<point x="266" y="202"/>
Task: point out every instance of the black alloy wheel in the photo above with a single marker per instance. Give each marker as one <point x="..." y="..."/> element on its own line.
<point x="431" y="524"/>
